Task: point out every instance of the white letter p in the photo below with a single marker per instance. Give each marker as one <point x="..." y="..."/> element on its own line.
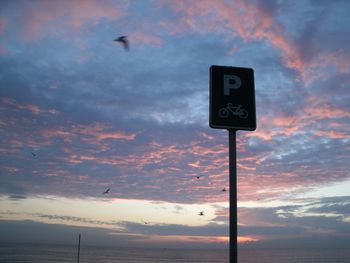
<point x="231" y="82"/>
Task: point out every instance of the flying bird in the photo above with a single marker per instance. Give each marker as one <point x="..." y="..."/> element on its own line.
<point x="106" y="192"/>
<point x="146" y="223"/>
<point x="33" y="154"/>
<point x="199" y="176"/>
<point x="124" y="41"/>
<point x="223" y="190"/>
<point x="201" y="213"/>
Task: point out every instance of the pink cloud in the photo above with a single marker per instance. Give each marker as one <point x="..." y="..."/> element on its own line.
<point x="15" y="144"/>
<point x="3" y="23"/>
<point x="252" y="23"/>
<point x="325" y="64"/>
<point x="325" y="111"/>
<point x="57" y="132"/>
<point x="83" y="177"/>
<point x="332" y="134"/>
<point x="269" y="128"/>
<point x="33" y="108"/>
<point x="164" y="163"/>
<point x="241" y="18"/>
<point x="10" y="169"/>
<point x="284" y="120"/>
<point x="92" y="134"/>
<point x="206" y="136"/>
<point x="262" y="134"/>
<point x="10" y="104"/>
<point x="116" y="136"/>
<point x="2" y="123"/>
<point x="148" y="39"/>
<point x="195" y="164"/>
<point x="44" y="18"/>
<point x="303" y="121"/>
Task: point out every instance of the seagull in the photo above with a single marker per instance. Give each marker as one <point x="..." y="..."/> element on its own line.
<point x="199" y="176"/>
<point x="223" y="190"/>
<point x="124" y="41"/>
<point x="106" y="192"/>
<point x="201" y="213"/>
<point x="33" y="154"/>
<point x="146" y="223"/>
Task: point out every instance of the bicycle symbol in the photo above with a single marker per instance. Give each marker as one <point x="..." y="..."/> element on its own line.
<point x="235" y="110"/>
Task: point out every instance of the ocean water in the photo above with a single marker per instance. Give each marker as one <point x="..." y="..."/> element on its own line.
<point x="24" y="253"/>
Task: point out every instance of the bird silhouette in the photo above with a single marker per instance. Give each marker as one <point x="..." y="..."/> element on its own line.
<point x="146" y="223"/>
<point x="124" y="41"/>
<point x="199" y="176"/>
<point x="223" y="190"/>
<point x="201" y="213"/>
<point x="106" y="192"/>
<point x="33" y="154"/>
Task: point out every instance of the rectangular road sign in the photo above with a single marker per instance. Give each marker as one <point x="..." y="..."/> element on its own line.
<point x="232" y="98"/>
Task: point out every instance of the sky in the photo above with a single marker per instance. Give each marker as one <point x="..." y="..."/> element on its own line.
<point x="80" y="114"/>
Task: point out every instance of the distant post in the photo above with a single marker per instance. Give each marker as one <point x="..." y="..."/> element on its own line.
<point x="232" y="107"/>
<point x="78" y="249"/>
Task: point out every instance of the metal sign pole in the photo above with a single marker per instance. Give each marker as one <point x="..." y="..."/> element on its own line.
<point x="232" y="107"/>
<point x="233" y="195"/>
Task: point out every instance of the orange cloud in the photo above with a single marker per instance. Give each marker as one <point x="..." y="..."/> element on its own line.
<point x="246" y="239"/>
<point x="185" y="239"/>
<point x="196" y="239"/>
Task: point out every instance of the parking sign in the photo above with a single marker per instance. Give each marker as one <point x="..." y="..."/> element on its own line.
<point x="232" y="98"/>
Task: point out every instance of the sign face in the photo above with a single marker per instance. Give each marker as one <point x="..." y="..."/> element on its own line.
<point x="232" y="98"/>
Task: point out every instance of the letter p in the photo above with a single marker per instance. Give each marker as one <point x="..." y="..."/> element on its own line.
<point x="231" y="82"/>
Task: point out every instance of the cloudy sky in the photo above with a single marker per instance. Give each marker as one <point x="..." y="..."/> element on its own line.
<point x="79" y="114"/>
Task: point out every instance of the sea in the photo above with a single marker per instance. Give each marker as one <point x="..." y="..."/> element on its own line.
<point x="30" y="253"/>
